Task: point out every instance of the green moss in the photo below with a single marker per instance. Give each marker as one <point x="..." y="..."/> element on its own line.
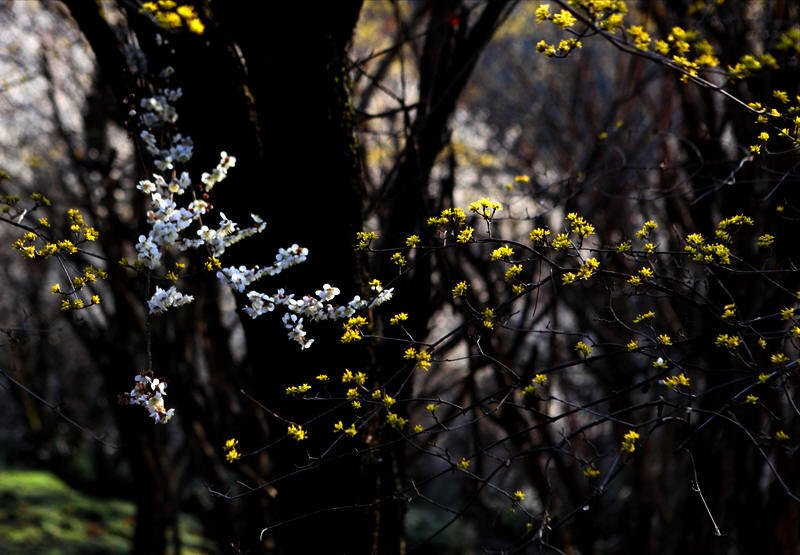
<point x="41" y="514"/>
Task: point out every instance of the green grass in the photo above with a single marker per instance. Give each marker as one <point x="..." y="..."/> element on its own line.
<point x="41" y="514"/>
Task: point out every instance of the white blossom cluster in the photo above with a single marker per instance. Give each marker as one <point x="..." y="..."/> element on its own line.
<point x="316" y="308"/>
<point x="162" y="300"/>
<point x="149" y="393"/>
<point x="170" y="228"/>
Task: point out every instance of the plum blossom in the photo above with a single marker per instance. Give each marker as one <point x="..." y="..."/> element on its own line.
<point x="149" y="393"/>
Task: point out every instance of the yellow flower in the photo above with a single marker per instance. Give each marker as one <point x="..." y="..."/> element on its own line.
<point x="542" y="13"/>
<point x="646" y="228"/>
<point x="539" y="235"/>
<point x="751" y="399"/>
<point x="395" y="421"/>
<point x="513" y="272"/>
<point x="399" y="259"/>
<point x="564" y="19"/>
<point x="485" y="208"/>
<point x="501" y="252"/>
<point x="765" y="240"/>
<point x="673" y="382"/>
<point x="629" y="441"/>
<point x="397" y="318"/>
<point x="195" y="26"/>
<point x="460" y="289"/>
<point x="412" y="240"/>
<point x="561" y="242"/>
<point x="579" y="226"/>
<point x="488" y="316"/>
<point x="519" y="496"/>
<point x="297" y="432"/>
<point x="583" y="349"/>
<point x="779" y="358"/>
<point x="465" y="235"/>
<point x="363" y="239"/>
<point x="642" y="317"/>
<point x="232" y="455"/>
<point x="664" y="339"/>
<point x="780" y="435"/>
<point x="423" y="360"/>
<point x="729" y="311"/>
<point x="463" y="464"/>
<point x="591" y="472"/>
<point x="297" y="389"/>
<point x="660" y="363"/>
<point x="729" y="341"/>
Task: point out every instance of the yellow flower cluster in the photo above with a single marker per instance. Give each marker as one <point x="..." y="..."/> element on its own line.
<point x="646" y="229"/>
<point x="485" y="208"/>
<point x="453" y="216"/>
<point x="359" y="378"/>
<point x="363" y="239"/>
<point x="583" y="349"/>
<point x="501" y="252"/>
<point x="673" y="382"/>
<point x="539" y="235"/>
<point x="513" y="272"/>
<point x="538" y="379"/>
<point x="700" y="251"/>
<point x="641" y="38"/>
<point x="629" y="441"/>
<point x="397" y="318"/>
<point x="412" y="241"/>
<point x="398" y="259"/>
<point x="465" y="235"/>
<point x="591" y="472"/>
<point x="460" y="289"/>
<point x="231" y="454"/>
<point x="350" y="431"/>
<point x="729" y="311"/>
<point x="561" y="242"/>
<point x="579" y="226"/>
<point x="297" y="432"/>
<point x="169" y="15"/>
<point x="727" y="341"/>
<point x="644" y="316"/>
<point x="488" y="316"/>
<point x="395" y="421"/>
<point x="765" y="240"/>
<point x="298" y="389"/>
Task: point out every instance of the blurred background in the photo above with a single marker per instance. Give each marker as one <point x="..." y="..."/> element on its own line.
<point x="379" y="115"/>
